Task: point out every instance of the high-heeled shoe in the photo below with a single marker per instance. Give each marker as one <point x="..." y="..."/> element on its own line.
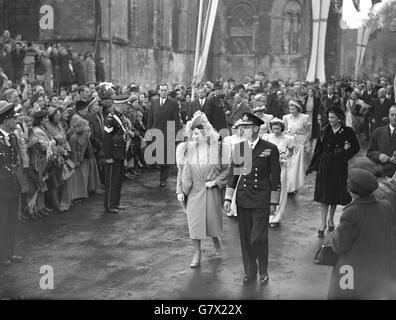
<point x="331" y="228"/>
<point x="196" y="263"/>
<point x="321" y="233"/>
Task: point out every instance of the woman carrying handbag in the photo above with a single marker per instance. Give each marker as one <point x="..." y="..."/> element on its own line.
<point x="204" y="165"/>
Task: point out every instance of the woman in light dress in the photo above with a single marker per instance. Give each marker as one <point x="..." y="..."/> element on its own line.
<point x="298" y="126"/>
<point x="208" y="162"/>
<point x="284" y="143"/>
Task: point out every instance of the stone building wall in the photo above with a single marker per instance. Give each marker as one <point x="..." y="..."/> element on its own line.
<point x="154" y="40"/>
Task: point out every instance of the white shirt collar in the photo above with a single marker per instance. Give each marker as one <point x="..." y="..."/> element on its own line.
<point x="254" y="143"/>
<point x="391" y="129"/>
<point x="6" y="134"/>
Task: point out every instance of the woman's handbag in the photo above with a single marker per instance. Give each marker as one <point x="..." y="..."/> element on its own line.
<point x="186" y="178"/>
<point x="325" y="256"/>
<point x="68" y="169"/>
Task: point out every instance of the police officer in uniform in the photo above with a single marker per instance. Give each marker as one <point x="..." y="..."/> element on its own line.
<point x="10" y="190"/>
<point x="256" y="180"/>
<point x="114" y="148"/>
<point x="216" y="109"/>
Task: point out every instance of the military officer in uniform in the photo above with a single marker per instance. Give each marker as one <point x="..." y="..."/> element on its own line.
<point x="114" y="148"/>
<point x="215" y="110"/>
<point x="255" y="177"/>
<point x="10" y="190"/>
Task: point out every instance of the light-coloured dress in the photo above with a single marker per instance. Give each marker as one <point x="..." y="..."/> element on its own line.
<point x="299" y="128"/>
<point x="204" y="205"/>
<point x="284" y="143"/>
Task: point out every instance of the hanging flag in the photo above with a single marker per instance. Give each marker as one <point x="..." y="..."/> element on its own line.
<point x="203" y="53"/>
<point x="320" y="13"/>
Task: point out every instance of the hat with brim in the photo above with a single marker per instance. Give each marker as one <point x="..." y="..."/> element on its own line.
<point x="218" y="85"/>
<point x="6" y="111"/>
<point x="249" y="119"/>
<point x="121" y="99"/>
<point x="361" y="182"/>
<point x="40" y="115"/>
<point x="81" y="105"/>
<point x="237" y="124"/>
<point x="337" y="111"/>
<point x="259" y="109"/>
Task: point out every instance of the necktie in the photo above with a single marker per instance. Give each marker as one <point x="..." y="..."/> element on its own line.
<point x="162" y="102"/>
<point x="201" y="102"/>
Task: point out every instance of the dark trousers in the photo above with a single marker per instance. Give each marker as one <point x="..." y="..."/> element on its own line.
<point x="366" y="125"/>
<point x="253" y="232"/>
<point x="164" y="172"/>
<point x="9" y="209"/>
<point x="113" y="182"/>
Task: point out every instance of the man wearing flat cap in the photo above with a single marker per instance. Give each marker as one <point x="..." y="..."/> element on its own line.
<point x="216" y="110"/>
<point x="255" y="177"/>
<point x="10" y="189"/>
<point x="114" y="148"/>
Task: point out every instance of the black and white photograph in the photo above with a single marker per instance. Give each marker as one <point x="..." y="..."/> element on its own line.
<point x="219" y="151"/>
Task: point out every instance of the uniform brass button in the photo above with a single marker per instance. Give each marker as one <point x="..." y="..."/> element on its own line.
<point x="256" y="169"/>
<point x="244" y="185"/>
<point x="255" y="180"/>
<point x="255" y="187"/>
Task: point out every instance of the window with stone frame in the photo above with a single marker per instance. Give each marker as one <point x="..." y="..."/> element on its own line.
<point x="241" y="29"/>
<point x="291" y="27"/>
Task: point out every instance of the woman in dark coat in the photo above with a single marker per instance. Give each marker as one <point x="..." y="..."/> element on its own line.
<point x="336" y="145"/>
<point x="363" y="242"/>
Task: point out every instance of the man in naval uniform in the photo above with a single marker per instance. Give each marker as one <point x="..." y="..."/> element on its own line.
<point x="256" y="181"/>
<point x="114" y="148"/>
<point x="10" y="190"/>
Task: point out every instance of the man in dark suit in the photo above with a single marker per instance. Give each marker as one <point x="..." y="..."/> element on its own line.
<point x="328" y="100"/>
<point x="255" y="177"/>
<point x="201" y="103"/>
<point x="216" y="110"/>
<point x="239" y="108"/>
<point x="10" y="190"/>
<point x="380" y="110"/>
<point x="368" y="96"/>
<point x="382" y="148"/>
<point x="163" y="112"/>
<point x="114" y="148"/>
<point x="274" y="102"/>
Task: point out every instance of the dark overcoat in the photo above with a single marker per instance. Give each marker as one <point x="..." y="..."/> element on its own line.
<point x="363" y="242"/>
<point x="330" y="160"/>
<point x="158" y="118"/>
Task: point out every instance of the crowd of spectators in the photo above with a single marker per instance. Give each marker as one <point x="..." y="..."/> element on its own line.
<point x="61" y="115"/>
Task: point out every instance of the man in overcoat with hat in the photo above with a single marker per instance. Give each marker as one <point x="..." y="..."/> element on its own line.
<point x="255" y="177"/>
<point x="10" y="190"/>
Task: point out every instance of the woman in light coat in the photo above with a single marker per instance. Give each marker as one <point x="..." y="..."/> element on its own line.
<point x="208" y="163"/>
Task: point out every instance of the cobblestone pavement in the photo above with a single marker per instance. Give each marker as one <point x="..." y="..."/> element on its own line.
<point x="145" y="252"/>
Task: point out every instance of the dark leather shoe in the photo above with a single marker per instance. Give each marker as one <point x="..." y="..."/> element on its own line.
<point x="247" y="280"/>
<point x="264" y="279"/>
<point x="5" y="263"/>
<point x="113" y="211"/>
<point x="121" y="208"/>
<point x="15" y="259"/>
<point x="331" y="229"/>
<point x="321" y="233"/>
<point x="163" y="184"/>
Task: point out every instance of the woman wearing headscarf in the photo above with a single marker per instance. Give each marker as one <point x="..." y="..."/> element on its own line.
<point x="298" y="126"/>
<point x="336" y="145"/>
<point x="208" y="162"/>
<point x="284" y="143"/>
<point x="363" y="242"/>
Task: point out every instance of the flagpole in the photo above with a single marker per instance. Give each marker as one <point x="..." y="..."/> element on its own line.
<point x="197" y="47"/>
